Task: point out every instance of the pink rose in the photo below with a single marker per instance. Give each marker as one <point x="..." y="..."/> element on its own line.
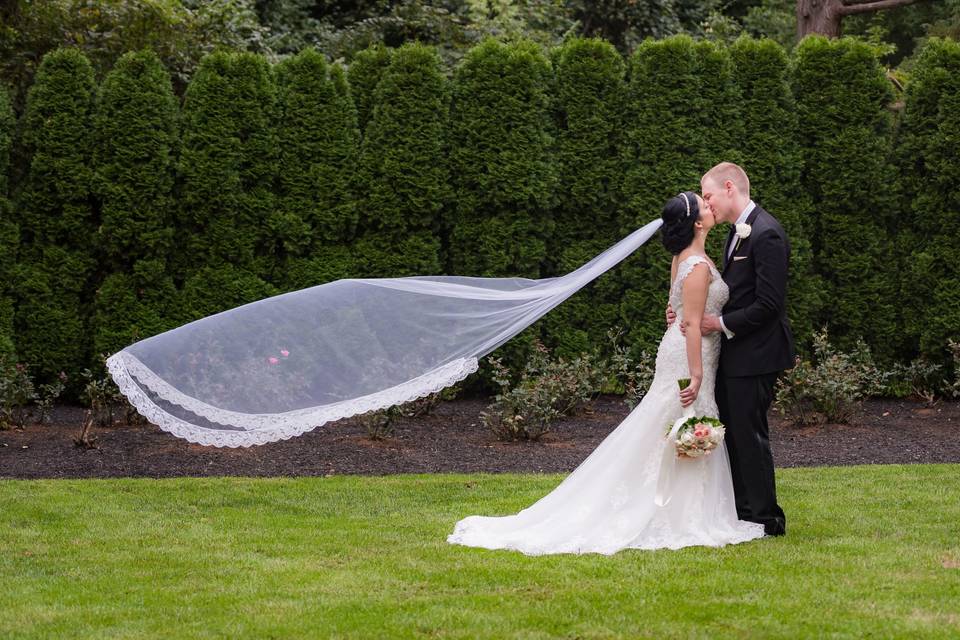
<point x="272" y="360"/>
<point x="284" y="353"/>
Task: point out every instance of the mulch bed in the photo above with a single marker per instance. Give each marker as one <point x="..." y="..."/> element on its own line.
<point x="452" y="439"/>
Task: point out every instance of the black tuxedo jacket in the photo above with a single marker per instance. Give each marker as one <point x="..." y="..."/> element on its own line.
<point x="756" y="313"/>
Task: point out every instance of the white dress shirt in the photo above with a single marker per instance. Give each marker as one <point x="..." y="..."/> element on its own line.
<point x="747" y="210"/>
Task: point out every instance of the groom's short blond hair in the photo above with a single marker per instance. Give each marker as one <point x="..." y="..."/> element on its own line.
<point x="732" y="172"/>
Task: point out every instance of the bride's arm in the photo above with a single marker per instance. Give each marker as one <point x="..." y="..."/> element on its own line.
<point x="694" y="302"/>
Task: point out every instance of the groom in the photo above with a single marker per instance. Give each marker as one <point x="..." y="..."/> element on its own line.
<point x="756" y="345"/>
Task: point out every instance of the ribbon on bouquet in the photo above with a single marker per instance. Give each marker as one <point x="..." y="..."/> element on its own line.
<point x="668" y="463"/>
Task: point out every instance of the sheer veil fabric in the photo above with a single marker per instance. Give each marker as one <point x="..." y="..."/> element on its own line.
<point x="279" y="367"/>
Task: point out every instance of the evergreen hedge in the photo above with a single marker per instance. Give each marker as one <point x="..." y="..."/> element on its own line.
<point x="136" y="145"/>
<point x="364" y="74"/>
<point x="681" y="119"/>
<point x="318" y="137"/>
<point x="929" y="151"/>
<point x="772" y="159"/>
<point x="589" y="98"/>
<point x="538" y="165"/>
<point x="843" y="99"/>
<point x="503" y="173"/>
<point x="228" y="169"/>
<point x="9" y="231"/>
<point x="56" y="218"/>
<point x="403" y="176"/>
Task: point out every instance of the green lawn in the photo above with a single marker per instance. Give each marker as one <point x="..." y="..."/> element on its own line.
<point x="871" y="551"/>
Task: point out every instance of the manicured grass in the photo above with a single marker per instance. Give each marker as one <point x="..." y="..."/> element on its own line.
<point x="872" y="551"/>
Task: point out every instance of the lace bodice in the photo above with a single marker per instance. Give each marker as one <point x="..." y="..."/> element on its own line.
<point x="672" y="353"/>
<point x="717" y="294"/>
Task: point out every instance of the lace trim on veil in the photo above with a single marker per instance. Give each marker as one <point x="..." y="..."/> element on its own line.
<point x="254" y="429"/>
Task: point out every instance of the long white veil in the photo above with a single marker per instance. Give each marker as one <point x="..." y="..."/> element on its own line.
<point x="279" y="367"/>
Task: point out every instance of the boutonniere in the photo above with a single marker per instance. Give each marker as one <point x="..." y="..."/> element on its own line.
<point x="743" y="232"/>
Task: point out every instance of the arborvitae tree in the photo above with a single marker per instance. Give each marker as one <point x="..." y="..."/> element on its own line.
<point x="772" y="157"/>
<point x="503" y="170"/>
<point x="56" y="218"/>
<point x="136" y="140"/>
<point x="589" y="100"/>
<point x="500" y="157"/>
<point x="364" y="73"/>
<point x="316" y="215"/>
<point x="845" y="126"/>
<point x="227" y="168"/>
<point x="403" y="176"/>
<point x="9" y="232"/>
<point x="681" y="119"/>
<point x="929" y="153"/>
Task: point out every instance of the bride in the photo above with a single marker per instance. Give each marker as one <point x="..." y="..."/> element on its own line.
<point x="609" y="502"/>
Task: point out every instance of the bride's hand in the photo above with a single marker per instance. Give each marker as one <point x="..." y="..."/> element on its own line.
<point x="688" y="395"/>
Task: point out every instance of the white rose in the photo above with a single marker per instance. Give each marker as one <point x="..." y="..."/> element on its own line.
<point x="743" y="230"/>
<point x="687" y="438"/>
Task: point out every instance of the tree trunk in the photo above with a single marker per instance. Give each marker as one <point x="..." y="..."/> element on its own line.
<point x="818" y="16"/>
<point x="825" y="16"/>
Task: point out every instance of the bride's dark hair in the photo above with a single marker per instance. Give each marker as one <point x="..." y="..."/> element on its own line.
<point x="678" y="216"/>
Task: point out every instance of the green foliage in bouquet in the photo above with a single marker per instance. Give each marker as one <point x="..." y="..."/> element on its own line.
<point x="588" y="108"/>
<point x="843" y="99"/>
<point x="681" y="119"/>
<point x="403" y="178"/>
<point x="772" y="159"/>
<point x="227" y="167"/>
<point x="318" y="137"/>
<point x="929" y="159"/>
<point x="134" y="160"/>
<point x="9" y="231"/>
<point x="57" y="260"/>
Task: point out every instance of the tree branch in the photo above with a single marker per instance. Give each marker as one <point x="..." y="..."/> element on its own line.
<point x="866" y="7"/>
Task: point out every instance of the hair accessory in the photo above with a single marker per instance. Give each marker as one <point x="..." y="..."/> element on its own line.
<point x="686" y="201"/>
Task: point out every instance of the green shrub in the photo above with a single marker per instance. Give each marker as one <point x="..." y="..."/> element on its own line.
<point x="503" y="172"/>
<point x="929" y="154"/>
<point x="546" y="390"/>
<point x="9" y="231"/>
<point x="589" y="98"/>
<point x="136" y="143"/>
<point x="56" y="218"/>
<point x="364" y="74"/>
<point x="228" y="165"/>
<point x="318" y="137"/>
<point x="843" y="99"/>
<point x="831" y="386"/>
<point x="403" y="176"/>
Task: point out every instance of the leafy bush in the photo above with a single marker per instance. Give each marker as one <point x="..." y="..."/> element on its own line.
<point x="954" y="389"/>
<point x="546" y="390"/>
<point x="19" y="394"/>
<point x="831" y="386"/>
<point x="634" y="375"/>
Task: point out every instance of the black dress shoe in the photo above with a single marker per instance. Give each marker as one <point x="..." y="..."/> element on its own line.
<point x="774" y="528"/>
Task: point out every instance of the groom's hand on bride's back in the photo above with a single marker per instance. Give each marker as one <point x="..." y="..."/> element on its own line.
<point x="709" y="324"/>
<point x="671" y="316"/>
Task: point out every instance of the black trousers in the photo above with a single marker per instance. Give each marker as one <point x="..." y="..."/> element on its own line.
<point x="743" y="403"/>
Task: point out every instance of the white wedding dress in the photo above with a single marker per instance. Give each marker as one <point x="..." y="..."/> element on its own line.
<point x="608" y="502"/>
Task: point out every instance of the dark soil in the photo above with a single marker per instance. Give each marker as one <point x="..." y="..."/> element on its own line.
<point x="452" y="439"/>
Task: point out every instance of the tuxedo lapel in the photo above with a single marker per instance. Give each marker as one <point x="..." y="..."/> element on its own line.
<point x="726" y="246"/>
<point x="733" y="230"/>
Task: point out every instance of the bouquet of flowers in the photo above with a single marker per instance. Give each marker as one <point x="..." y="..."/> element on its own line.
<point x="697" y="436"/>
